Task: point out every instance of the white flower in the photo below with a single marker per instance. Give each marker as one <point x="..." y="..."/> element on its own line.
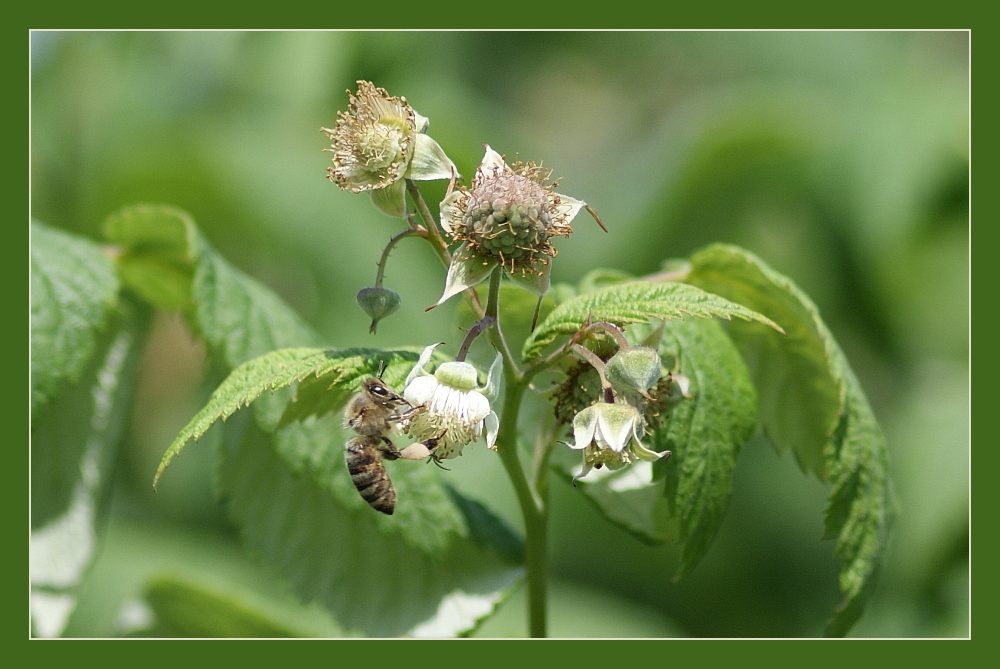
<point x="608" y="435"/>
<point x="451" y="408"/>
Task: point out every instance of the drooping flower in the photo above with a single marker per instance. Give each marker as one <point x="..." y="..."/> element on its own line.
<point x="609" y="434"/>
<point x="380" y="141"/>
<point x="451" y="406"/>
<point x="505" y="219"/>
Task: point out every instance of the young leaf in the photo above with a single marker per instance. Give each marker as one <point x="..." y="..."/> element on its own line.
<point x="160" y="248"/>
<point x="811" y="402"/>
<point x="73" y="289"/>
<point x="274" y="370"/>
<point x="634" y="302"/>
<point x="705" y="432"/>
<point x="800" y="391"/>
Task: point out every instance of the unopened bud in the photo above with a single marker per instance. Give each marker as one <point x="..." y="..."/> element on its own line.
<point x="378" y="302"/>
<point x="634" y="369"/>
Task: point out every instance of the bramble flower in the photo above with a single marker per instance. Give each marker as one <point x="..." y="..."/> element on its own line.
<point x="380" y="141"/>
<point x="506" y="218"/>
<point x="608" y="435"/>
<point x="451" y="406"/>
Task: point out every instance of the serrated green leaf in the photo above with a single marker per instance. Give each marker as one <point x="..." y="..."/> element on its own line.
<point x="73" y="289"/>
<point x="800" y="392"/>
<point x="246" y="383"/>
<point x="634" y="302"/>
<point x="861" y="505"/>
<point x="703" y="433"/>
<point x="372" y="580"/>
<point x="811" y="402"/>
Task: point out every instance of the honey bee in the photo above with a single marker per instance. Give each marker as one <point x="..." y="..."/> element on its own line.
<point x="372" y="413"/>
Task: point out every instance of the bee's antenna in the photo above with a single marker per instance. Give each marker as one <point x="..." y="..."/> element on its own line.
<point x="381" y="369"/>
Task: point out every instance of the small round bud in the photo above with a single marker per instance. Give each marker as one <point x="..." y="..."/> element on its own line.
<point x="634" y="369"/>
<point x="378" y="302"/>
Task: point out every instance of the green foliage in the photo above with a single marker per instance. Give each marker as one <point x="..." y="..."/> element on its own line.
<point x="811" y="402"/>
<point x="84" y="348"/>
<point x="73" y="290"/>
<point x="370" y="578"/>
<point x="186" y="609"/>
<point x="634" y="302"/>
<point x="704" y="433"/>
<point x="308" y="495"/>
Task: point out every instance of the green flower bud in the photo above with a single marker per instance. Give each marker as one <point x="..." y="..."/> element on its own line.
<point x="378" y="302"/>
<point x="634" y="369"/>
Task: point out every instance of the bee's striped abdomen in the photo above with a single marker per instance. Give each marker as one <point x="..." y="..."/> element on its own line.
<point x="364" y="462"/>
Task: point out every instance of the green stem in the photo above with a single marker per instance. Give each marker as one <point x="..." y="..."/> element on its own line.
<point x="438" y="243"/>
<point x="385" y="253"/>
<point x="534" y="508"/>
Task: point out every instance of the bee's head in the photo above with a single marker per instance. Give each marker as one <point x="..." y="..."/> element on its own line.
<point x="379" y="391"/>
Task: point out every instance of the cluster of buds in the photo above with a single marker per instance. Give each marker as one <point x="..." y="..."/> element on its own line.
<point x="614" y="402"/>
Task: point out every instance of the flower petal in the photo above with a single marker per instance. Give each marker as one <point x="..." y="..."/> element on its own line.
<point x="492" y="428"/>
<point x="429" y="161"/>
<point x="492" y="163"/>
<point x="420" y="122"/>
<point x="418" y="369"/>
<point x="451" y="210"/>
<point x="584" y="426"/>
<point x="536" y="283"/>
<point x="475" y="407"/>
<point x="467" y="269"/>
<point x="391" y="200"/>
<point x="568" y="207"/>
<point x="616" y="424"/>
<point x="420" y="390"/>
<point x="493" y="378"/>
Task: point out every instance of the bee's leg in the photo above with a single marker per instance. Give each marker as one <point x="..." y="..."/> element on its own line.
<point x="388" y="449"/>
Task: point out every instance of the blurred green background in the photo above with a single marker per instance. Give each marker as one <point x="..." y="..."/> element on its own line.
<point x="840" y="158"/>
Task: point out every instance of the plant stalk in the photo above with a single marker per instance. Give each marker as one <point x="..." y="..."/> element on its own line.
<point x="534" y="508"/>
